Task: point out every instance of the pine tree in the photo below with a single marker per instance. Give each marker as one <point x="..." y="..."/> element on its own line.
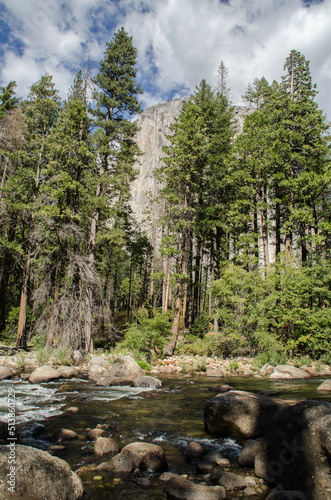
<point x="115" y="100"/>
<point x="41" y="111"/>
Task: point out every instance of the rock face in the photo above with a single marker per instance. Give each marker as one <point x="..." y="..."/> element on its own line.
<point x="295" y="452"/>
<point x="154" y="124"/>
<point x="240" y="414"/>
<point x="38" y="475"/>
<point x="44" y="374"/>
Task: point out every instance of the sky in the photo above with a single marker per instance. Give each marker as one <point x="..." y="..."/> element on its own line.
<point x="179" y="42"/>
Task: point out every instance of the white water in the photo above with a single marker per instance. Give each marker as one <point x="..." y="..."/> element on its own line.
<point x="34" y="402"/>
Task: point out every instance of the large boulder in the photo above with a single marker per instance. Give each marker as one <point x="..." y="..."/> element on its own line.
<point x="37" y="475"/>
<point x="295" y="452"/>
<point x="44" y="374"/>
<point x="126" y="368"/>
<point x="182" y="489"/>
<point x="68" y="371"/>
<point x="97" y="360"/>
<point x="283" y="372"/>
<point x="240" y="414"/>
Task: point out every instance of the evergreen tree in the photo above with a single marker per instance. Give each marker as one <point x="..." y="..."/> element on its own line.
<point x="115" y="100"/>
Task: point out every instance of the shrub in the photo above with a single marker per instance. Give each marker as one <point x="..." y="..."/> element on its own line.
<point x="148" y="336"/>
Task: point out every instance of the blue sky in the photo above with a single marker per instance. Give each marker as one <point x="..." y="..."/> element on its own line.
<point x="179" y="42"/>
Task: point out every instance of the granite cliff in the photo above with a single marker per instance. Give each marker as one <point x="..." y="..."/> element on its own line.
<point x="153" y="126"/>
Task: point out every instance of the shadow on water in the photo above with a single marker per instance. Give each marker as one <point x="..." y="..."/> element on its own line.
<point x="171" y="417"/>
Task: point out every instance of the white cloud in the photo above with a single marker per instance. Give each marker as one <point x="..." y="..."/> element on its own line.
<point x="179" y="42"/>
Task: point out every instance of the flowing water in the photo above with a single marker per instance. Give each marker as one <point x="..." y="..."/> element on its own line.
<point x="170" y="417"/>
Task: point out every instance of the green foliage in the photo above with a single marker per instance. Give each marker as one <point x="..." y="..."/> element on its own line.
<point x="61" y="355"/>
<point x="201" y="325"/>
<point x="8" y="335"/>
<point x="43" y="355"/>
<point x="272" y="357"/>
<point x="148" y="336"/>
<point x="144" y="365"/>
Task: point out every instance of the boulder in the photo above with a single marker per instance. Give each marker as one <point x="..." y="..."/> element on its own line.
<point x="77" y="357"/>
<point x="98" y="361"/>
<point x="215" y="371"/>
<point x="240" y="414"/>
<point x="194" y="451"/>
<point x="182" y="489"/>
<point x="68" y="371"/>
<point x="63" y="435"/>
<point x="266" y="369"/>
<point x="247" y="455"/>
<point x="145" y="456"/>
<point x="108" y="381"/>
<point x="288" y="372"/>
<point x="286" y="495"/>
<point x="38" y="475"/>
<point x="126" y="368"/>
<point x="6" y="373"/>
<point x="30" y="364"/>
<point x="146" y="381"/>
<point x="325" y="386"/>
<point x="231" y="481"/>
<point x="104" y="446"/>
<point x="44" y="374"/>
<point x="93" y="434"/>
<point x="118" y="464"/>
<point x="97" y="372"/>
<point x="295" y="452"/>
<point x="212" y="463"/>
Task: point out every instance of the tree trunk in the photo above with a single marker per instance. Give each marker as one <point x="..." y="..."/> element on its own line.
<point x="55" y="312"/>
<point x="21" y="329"/>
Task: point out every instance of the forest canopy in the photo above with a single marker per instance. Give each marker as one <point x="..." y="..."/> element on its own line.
<point x="243" y="265"/>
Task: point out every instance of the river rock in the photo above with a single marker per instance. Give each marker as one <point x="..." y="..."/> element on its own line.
<point x="97" y="372"/>
<point x="266" y="369"/>
<point x="145" y="456"/>
<point x="38" y="475"/>
<point x="44" y="374"/>
<point x="126" y="368"/>
<point x="194" y="451"/>
<point x="231" y="481"/>
<point x="183" y="489"/>
<point x="215" y="371"/>
<point x="63" y="435"/>
<point x="77" y="357"/>
<point x="93" y="434"/>
<point x="295" y="452"/>
<point x="67" y="371"/>
<point x="248" y="453"/>
<point x="286" y="495"/>
<point x="97" y="360"/>
<point x="118" y="464"/>
<point x="30" y="364"/>
<point x="109" y="381"/>
<point x="6" y="373"/>
<point x="221" y="388"/>
<point x="283" y="372"/>
<point x="146" y="381"/>
<point x="104" y="446"/>
<point x="325" y="386"/>
<point x="240" y="414"/>
<point x="212" y="462"/>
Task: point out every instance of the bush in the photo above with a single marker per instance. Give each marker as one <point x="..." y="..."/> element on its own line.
<point x="201" y="325"/>
<point x="148" y="336"/>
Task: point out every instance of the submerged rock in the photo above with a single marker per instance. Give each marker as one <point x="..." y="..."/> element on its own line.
<point x="104" y="446"/>
<point x="183" y="489"/>
<point x="146" y="381"/>
<point x="38" y="475"/>
<point x="325" y="386"/>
